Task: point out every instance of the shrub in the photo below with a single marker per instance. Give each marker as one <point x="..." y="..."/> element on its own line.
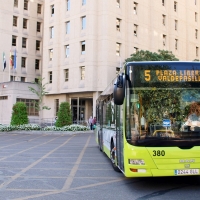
<point x="73" y="127"/>
<point x="19" y="114"/>
<point x="64" y="115"/>
<point x="35" y="127"/>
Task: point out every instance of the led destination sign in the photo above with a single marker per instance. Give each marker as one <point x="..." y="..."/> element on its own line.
<point x="172" y="75"/>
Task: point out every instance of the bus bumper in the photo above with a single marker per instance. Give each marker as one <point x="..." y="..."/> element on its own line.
<point x="153" y="173"/>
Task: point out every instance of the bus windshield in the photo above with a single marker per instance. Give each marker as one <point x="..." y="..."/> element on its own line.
<point x="163" y="104"/>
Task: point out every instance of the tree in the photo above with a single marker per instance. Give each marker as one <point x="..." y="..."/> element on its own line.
<point x="152" y="56"/>
<point x="19" y="114"/>
<point x="64" y="115"/>
<point x="40" y="92"/>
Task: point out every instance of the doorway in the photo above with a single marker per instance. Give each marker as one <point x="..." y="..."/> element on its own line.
<point x="78" y="110"/>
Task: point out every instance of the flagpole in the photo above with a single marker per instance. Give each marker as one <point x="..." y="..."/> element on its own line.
<point x="3" y="76"/>
<point x="9" y="74"/>
<point x="4" y="64"/>
<point x="3" y="67"/>
<point x="9" y="66"/>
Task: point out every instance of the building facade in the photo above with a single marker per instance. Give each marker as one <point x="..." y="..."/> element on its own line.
<point x="83" y="43"/>
<point x="21" y="34"/>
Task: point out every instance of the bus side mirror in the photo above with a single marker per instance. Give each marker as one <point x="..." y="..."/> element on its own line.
<point x="119" y="90"/>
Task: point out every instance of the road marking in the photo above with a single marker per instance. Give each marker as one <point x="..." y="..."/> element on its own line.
<point x="67" y="190"/>
<point x="70" y="178"/>
<point x="25" y="150"/>
<point x="18" y="142"/>
<point x="75" y="168"/>
<point x="34" y="163"/>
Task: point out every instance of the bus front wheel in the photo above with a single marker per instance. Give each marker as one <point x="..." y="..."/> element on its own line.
<point x="112" y="157"/>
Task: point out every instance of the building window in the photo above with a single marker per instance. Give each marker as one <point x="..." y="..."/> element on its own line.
<point x="118" y="24"/>
<point x="36" y="80"/>
<point x="164" y="40"/>
<point x="196" y="16"/>
<point x="23" y="79"/>
<point x="82" y="73"/>
<point x="14" y="40"/>
<point x="68" y="5"/>
<point x="23" y="62"/>
<point x="39" y="8"/>
<point x="50" y="54"/>
<point x="164" y="19"/>
<point x="14" y="21"/>
<point x="37" y="45"/>
<point x="12" y="78"/>
<point x="84" y="22"/>
<point x="176" y="25"/>
<point x="135" y="29"/>
<point x="195" y="2"/>
<point x="135" y="5"/>
<point x="24" y="42"/>
<point x="25" y="22"/>
<point x="50" y="77"/>
<point x="117" y="70"/>
<point x="3" y="97"/>
<point x="118" y="49"/>
<point x="38" y="26"/>
<point x="118" y="3"/>
<point x="52" y="32"/>
<point x="52" y="10"/>
<point x="196" y="33"/>
<point x="176" y="44"/>
<point x="25" y="4"/>
<point x="175" y="6"/>
<point x="83" y="2"/>
<point x="163" y="2"/>
<point x="16" y="3"/>
<point x="66" y="75"/>
<point x="67" y="51"/>
<point x="68" y="27"/>
<point x="83" y="47"/>
<point x="135" y="50"/>
<point x="37" y="64"/>
<point x="31" y="106"/>
<point x="56" y="106"/>
<point x="197" y="51"/>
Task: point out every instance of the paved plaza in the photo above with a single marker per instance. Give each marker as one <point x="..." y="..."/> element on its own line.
<point x="69" y="166"/>
<point x="52" y="166"/>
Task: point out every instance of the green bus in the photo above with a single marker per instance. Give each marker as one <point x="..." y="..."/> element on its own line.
<point x="148" y="119"/>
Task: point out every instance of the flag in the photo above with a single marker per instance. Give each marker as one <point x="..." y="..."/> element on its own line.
<point x="4" y="61"/>
<point x="11" y="61"/>
<point x="15" y="60"/>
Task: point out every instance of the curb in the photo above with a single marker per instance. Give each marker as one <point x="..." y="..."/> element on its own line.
<point x="47" y="132"/>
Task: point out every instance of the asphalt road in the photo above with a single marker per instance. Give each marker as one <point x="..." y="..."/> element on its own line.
<point x="71" y="167"/>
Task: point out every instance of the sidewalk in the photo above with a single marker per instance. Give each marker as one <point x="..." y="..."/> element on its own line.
<point x="47" y="132"/>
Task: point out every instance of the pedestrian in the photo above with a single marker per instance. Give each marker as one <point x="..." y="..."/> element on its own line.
<point x="94" y="121"/>
<point x="90" y="122"/>
<point x="56" y="118"/>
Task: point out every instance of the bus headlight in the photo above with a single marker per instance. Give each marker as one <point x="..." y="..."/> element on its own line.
<point x="136" y="162"/>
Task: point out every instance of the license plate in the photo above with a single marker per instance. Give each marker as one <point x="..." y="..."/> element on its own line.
<point x="186" y="172"/>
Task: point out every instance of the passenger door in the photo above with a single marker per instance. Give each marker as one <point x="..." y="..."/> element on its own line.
<point x="119" y="137"/>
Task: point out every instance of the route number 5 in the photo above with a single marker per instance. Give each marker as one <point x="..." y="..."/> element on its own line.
<point x="147" y="75"/>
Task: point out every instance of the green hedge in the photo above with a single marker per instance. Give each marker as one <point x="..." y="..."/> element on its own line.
<point x="32" y="127"/>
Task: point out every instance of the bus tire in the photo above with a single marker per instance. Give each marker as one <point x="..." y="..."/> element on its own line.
<point x="112" y="157"/>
